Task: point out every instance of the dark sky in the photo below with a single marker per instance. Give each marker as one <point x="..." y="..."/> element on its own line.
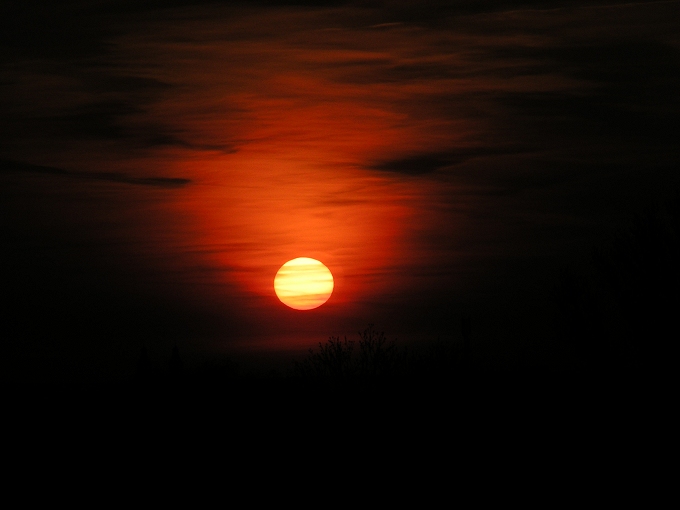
<point x="159" y="161"/>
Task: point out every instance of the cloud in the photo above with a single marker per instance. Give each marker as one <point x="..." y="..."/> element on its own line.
<point x="8" y="166"/>
<point x="427" y="163"/>
<point x="122" y="121"/>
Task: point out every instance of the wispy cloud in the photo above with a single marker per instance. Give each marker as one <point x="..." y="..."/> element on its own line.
<point x="421" y="164"/>
<point x="8" y="166"/>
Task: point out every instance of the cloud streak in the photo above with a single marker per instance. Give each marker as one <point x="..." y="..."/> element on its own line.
<point x="422" y="164"/>
<point x="8" y="166"/>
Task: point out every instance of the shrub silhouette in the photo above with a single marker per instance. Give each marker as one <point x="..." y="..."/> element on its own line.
<point x="377" y="356"/>
<point x="334" y="360"/>
<point x="339" y="361"/>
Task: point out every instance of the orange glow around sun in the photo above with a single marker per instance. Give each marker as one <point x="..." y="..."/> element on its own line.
<point x="303" y="283"/>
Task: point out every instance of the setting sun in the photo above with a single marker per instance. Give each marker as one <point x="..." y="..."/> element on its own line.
<point x="303" y="283"/>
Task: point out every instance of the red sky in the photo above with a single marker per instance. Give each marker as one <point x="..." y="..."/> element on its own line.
<point x="167" y="161"/>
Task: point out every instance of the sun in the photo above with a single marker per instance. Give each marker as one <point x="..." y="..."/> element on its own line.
<point x="303" y="283"/>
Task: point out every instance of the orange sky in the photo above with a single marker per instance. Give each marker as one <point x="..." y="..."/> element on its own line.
<point x="422" y="158"/>
<point x="298" y="135"/>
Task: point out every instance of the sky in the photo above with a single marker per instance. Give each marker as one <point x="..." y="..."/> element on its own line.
<point x="159" y="161"/>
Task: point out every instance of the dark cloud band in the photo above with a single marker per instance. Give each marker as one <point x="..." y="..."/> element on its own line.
<point x="7" y="166"/>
